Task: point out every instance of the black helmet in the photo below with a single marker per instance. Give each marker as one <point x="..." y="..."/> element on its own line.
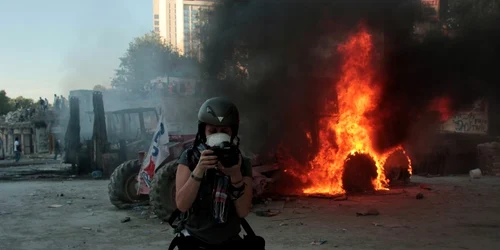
<point x="218" y="111"/>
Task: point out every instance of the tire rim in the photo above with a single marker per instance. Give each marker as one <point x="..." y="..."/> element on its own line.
<point x="131" y="187"/>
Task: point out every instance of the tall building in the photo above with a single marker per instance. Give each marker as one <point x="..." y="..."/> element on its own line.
<point x="176" y="21"/>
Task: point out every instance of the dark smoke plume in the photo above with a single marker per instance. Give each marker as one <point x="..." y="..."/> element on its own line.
<point x="279" y="63"/>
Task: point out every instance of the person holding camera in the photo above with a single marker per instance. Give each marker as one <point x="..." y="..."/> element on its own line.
<point x="214" y="183"/>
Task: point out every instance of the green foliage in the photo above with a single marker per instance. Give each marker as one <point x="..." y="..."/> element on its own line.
<point x="8" y="104"/>
<point x="5" y="104"/>
<point x="21" y="102"/>
<point x="147" y="58"/>
<point x="99" y="87"/>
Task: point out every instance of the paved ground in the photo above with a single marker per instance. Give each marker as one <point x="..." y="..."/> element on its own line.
<point x="455" y="214"/>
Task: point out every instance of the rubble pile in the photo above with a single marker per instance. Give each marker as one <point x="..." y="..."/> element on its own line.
<point x="27" y="115"/>
<point x="489" y="158"/>
<point x="20" y="115"/>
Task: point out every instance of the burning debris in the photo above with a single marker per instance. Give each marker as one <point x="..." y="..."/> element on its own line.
<point x="336" y="168"/>
<point x="364" y="95"/>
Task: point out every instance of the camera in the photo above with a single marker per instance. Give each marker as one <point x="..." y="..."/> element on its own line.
<point x="227" y="153"/>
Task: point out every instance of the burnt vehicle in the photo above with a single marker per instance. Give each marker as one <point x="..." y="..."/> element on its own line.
<point x="126" y="132"/>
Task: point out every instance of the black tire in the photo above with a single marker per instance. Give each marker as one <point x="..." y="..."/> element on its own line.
<point x="122" y="183"/>
<point x="162" y="193"/>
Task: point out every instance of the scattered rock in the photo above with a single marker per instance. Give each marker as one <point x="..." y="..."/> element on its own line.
<point x="318" y="242"/>
<point x="154" y="216"/>
<point x="62" y="195"/>
<point x="475" y="173"/>
<point x="371" y="211"/>
<point x="140" y="208"/>
<point x="4" y="212"/>
<point x="69" y="202"/>
<point x="83" y="198"/>
<point x="126" y="219"/>
<point x="420" y="196"/>
<point x="425" y="186"/>
<point x="98" y="230"/>
<point x="86" y="228"/>
<point x="55" y="206"/>
<point x="283" y="224"/>
<point x="97" y="174"/>
<point x="267" y="213"/>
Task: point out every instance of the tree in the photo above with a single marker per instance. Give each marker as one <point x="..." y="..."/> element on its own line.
<point x="99" y="87"/>
<point x="147" y="58"/>
<point x="5" y="104"/>
<point x="21" y="102"/>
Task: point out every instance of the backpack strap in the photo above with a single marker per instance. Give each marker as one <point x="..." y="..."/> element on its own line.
<point x="175" y="243"/>
<point x="173" y="217"/>
<point x="248" y="229"/>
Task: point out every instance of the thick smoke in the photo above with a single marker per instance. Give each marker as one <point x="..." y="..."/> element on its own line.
<point x="288" y="49"/>
<point x="460" y="68"/>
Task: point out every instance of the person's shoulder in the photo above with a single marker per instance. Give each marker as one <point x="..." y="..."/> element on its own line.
<point x="185" y="157"/>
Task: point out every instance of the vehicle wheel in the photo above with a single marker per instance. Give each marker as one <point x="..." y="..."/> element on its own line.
<point x="162" y="193"/>
<point x="123" y="185"/>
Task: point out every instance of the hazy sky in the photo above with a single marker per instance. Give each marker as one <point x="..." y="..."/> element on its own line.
<point x="51" y="47"/>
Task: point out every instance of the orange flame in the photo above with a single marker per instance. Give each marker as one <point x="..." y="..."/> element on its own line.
<point x="443" y="106"/>
<point x="357" y="95"/>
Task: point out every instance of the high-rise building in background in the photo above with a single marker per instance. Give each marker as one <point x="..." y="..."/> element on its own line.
<point x="176" y="21"/>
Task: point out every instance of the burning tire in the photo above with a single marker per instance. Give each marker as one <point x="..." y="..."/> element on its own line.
<point x="122" y="188"/>
<point x="162" y="193"/>
<point x="397" y="168"/>
<point x="359" y="171"/>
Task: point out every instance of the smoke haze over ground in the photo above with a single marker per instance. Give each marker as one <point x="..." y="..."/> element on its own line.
<point x="293" y="66"/>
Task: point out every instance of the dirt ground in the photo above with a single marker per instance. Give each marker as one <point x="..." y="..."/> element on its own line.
<point x="456" y="214"/>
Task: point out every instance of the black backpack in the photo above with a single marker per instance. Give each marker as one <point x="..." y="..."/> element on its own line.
<point x="249" y="241"/>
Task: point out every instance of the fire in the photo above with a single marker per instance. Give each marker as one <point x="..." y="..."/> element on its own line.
<point x="357" y="95"/>
<point x="443" y="106"/>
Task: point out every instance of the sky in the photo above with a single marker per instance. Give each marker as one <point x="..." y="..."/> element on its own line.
<point x="52" y="47"/>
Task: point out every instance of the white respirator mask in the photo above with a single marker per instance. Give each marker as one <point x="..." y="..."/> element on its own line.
<point x="217" y="139"/>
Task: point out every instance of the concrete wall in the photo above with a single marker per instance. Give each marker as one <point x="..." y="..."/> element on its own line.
<point x="42" y="140"/>
<point x="24" y="132"/>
